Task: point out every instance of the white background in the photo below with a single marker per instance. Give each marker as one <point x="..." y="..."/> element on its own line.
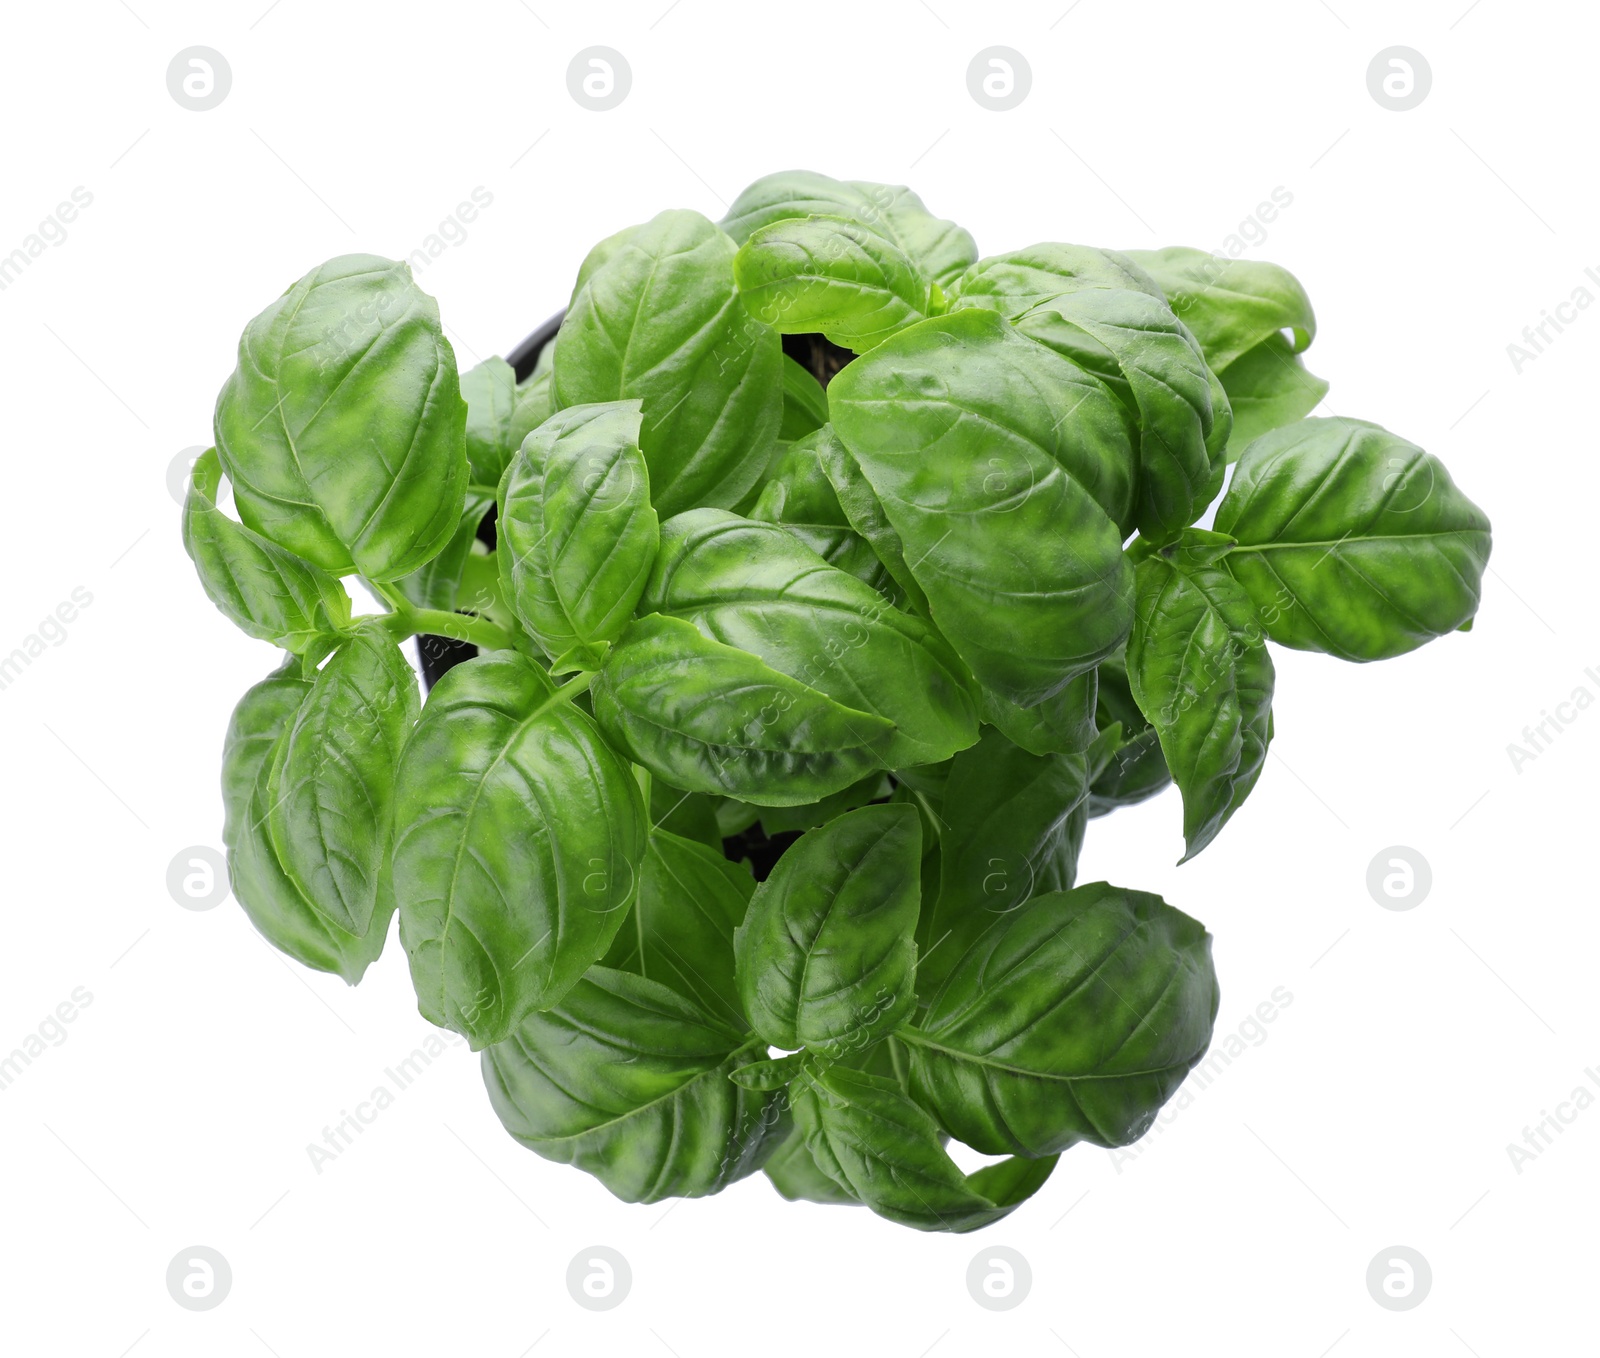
<point x="1378" y="1108"/>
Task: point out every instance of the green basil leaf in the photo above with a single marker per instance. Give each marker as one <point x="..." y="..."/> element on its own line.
<point x="530" y="406"/>
<point x="659" y="319"/>
<point x="830" y="275"/>
<point x="794" y="1173"/>
<point x="1230" y="305"/>
<point x="864" y="512"/>
<point x="439" y="583"/>
<point x="825" y="954"/>
<point x="273" y="903"/>
<point x="712" y="718"/>
<point x="1061" y="724"/>
<point x="758" y="588"/>
<point x="267" y="592"/>
<point x="1200" y="672"/>
<point x="518" y="838"/>
<point x="490" y="391"/>
<point x="576" y="533"/>
<point x="629" y="1081"/>
<point x="866" y="1135"/>
<point x="342" y="428"/>
<point x="799" y="497"/>
<point x="680" y="932"/>
<point x="940" y="249"/>
<point x="1268" y="387"/>
<point x="333" y="783"/>
<point x="1011" y="828"/>
<point x="771" y="1074"/>
<point x="1021" y="280"/>
<point x="775" y="820"/>
<point x="1352" y="540"/>
<point x="1004" y="468"/>
<point x="805" y="403"/>
<point x="1136" y="769"/>
<point x="690" y="815"/>
<point x="1073" y="1019"/>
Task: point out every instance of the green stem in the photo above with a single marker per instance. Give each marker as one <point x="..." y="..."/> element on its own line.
<point x="406" y="621"/>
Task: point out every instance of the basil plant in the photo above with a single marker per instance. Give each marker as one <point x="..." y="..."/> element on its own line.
<point x="921" y="624"/>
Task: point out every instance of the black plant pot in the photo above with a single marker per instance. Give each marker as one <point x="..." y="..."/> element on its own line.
<point x="822" y="359"/>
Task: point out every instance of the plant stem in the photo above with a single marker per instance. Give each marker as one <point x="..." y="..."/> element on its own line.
<point x="406" y="621"/>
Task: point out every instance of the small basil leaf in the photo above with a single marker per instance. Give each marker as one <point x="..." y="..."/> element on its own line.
<point x="1022" y="280"/>
<point x="758" y="588"/>
<point x="825" y="955"/>
<point x="530" y="406"/>
<point x="1011" y="828"/>
<point x="940" y="249"/>
<point x="629" y="1081"/>
<point x="775" y="820"/>
<point x="1136" y="769"/>
<point x="689" y="815"/>
<point x="799" y="497"/>
<point x="712" y="718"/>
<point x="680" y="932"/>
<point x="1268" y="387"/>
<point x="267" y="592"/>
<point x="1230" y="305"/>
<point x="1074" y="1019"/>
<point x="658" y="318"/>
<point x="334" y="781"/>
<point x="827" y="274"/>
<point x="342" y="428"/>
<point x="490" y="391"/>
<point x="864" y="512"/>
<point x="1061" y="724"/>
<point x="794" y="1173"/>
<point x="439" y="583"/>
<point x="518" y="839"/>
<point x="1004" y="468"/>
<point x="1200" y="672"/>
<point x="576" y="535"/>
<point x="805" y="403"/>
<point x="769" y="1075"/>
<point x="1352" y="540"/>
<point x="273" y="903"/>
<point x="866" y="1135"/>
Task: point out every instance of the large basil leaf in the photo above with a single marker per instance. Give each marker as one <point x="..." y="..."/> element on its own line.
<point x="342" y="428"/>
<point x="1135" y="768"/>
<point x="1352" y="540"/>
<point x="1268" y="388"/>
<point x="629" y="1081"/>
<point x="1231" y="305"/>
<point x="865" y="1134"/>
<point x="439" y="583"/>
<point x="1011" y="828"/>
<point x="1005" y="469"/>
<point x="656" y="316"/>
<point x="825" y="955"/>
<point x="273" y="903"/>
<point x="267" y="592"/>
<point x="490" y="391"/>
<point x="940" y="249"/>
<point x="806" y="275"/>
<point x="576" y="533"/>
<point x="680" y="932"/>
<point x="712" y="718"/>
<point x="333" y="778"/>
<point x="1073" y="1019"/>
<point x="758" y="588"/>
<point x="1200" y="672"/>
<point x="518" y="836"/>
